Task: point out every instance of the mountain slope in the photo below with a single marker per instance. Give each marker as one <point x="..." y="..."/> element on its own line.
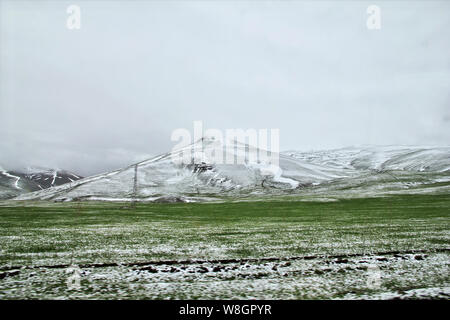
<point x="14" y="183"/>
<point x="402" y="158"/>
<point x="335" y="173"/>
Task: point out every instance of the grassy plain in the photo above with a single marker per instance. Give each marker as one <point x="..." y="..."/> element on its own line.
<point x="389" y="247"/>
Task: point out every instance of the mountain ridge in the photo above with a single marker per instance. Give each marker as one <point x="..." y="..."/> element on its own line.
<point x="16" y="182"/>
<point x="338" y="173"/>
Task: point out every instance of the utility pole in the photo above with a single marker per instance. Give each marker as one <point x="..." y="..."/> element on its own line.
<point x="134" y="195"/>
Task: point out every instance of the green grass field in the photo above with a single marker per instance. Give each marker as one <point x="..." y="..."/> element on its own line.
<point x="392" y="247"/>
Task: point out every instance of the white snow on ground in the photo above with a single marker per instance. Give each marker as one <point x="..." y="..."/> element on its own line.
<point x="365" y="277"/>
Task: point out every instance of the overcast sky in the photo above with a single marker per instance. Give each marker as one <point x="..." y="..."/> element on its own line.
<point x="112" y="92"/>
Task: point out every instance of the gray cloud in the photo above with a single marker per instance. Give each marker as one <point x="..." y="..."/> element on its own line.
<point x="112" y="92"/>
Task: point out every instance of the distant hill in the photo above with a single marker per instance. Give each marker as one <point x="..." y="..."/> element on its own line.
<point x="14" y="183"/>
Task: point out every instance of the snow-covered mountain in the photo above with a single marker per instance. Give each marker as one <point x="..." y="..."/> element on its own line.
<point x="335" y="173"/>
<point x="14" y="183"/>
<point x="381" y="170"/>
<point x="398" y="158"/>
